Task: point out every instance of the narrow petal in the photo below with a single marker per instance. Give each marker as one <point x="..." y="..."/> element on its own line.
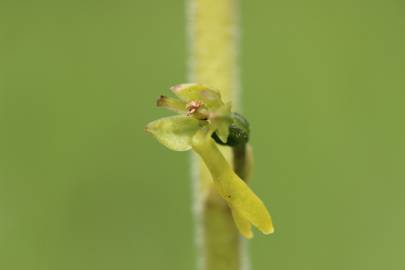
<point x="172" y="104"/>
<point x="221" y="121"/>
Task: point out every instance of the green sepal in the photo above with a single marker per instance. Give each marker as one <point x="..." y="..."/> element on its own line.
<point x="175" y="132"/>
<point x="191" y="92"/>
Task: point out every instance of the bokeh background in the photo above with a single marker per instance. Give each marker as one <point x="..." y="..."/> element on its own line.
<point x="83" y="187"/>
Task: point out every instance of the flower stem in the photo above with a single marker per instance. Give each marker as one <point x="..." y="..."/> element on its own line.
<point x="213" y="42"/>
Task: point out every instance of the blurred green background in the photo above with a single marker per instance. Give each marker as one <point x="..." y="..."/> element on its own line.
<point x="83" y="187"/>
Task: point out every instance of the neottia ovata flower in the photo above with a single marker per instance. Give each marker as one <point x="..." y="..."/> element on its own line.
<point x="205" y="121"/>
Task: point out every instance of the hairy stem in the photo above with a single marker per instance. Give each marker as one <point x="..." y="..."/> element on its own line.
<point x="213" y="42"/>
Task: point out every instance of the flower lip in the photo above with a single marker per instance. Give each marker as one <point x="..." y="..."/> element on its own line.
<point x="246" y="205"/>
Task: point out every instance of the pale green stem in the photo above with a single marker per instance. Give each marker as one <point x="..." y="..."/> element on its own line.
<point x="213" y="48"/>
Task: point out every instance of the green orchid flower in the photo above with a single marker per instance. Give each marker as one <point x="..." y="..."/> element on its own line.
<point x="204" y="122"/>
